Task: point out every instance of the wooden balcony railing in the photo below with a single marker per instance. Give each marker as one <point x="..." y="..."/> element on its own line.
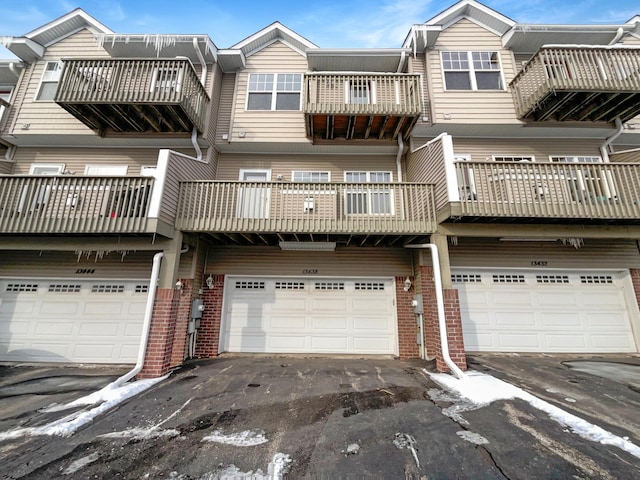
<point x="133" y="94"/>
<point x="67" y="204"/>
<point x="361" y="106"/>
<point x="603" y="191"/>
<point x="281" y="207"/>
<point x="579" y="83"/>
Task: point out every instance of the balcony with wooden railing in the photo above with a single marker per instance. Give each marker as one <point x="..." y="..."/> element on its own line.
<point x="75" y="205"/>
<point x="269" y="212"/>
<point x="557" y="192"/>
<point x="360" y="106"/>
<point x="133" y="95"/>
<point x="579" y="83"/>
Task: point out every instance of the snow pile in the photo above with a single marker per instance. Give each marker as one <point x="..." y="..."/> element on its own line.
<point x="276" y="470"/>
<point x="110" y="396"/>
<point x="247" y="438"/>
<point x="482" y="389"/>
<point x="472" y="437"/>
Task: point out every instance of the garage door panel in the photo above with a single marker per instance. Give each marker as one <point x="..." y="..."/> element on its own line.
<point x="521" y="340"/>
<point x="329" y="304"/>
<point x="619" y="342"/>
<point x="15" y="328"/>
<point x="92" y="351"/>
<point x="563" y="298"/>
<point x="522" y="319"/>
<point x="510" y="297"/>
<point x="559" y="342"/>
<point x="98" y="329"/>
<point x="322" y="315"/>
<point x="294" y="322"/>
<point x="569" y="312"/>
<point x="102" y="308"/>
<point x="59" y="308"/>
<point x="54" y="328"/>
<point x="559" y="319"/>
<point x="329" y="344"/>
<point x="321" y="323"/>
<point x="606" y="321"/>
<point x="11" y="306"/>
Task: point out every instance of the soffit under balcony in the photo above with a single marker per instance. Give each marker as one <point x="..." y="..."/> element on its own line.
<point x="156" y="45"/>
<point x="358" y="60"/>
<point x="389" y="148"/>
<point x="527" y="39"/>
<point x="552" y="130"/>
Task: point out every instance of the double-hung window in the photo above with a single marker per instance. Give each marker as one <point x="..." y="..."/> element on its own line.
<point x="472" y="70"/>
<point x="368" y="199"/>
<point x="49" y="81"/>
<point x="274" y="91"/>
<point x="310" y="177"/>
<point x="360" y="92"/>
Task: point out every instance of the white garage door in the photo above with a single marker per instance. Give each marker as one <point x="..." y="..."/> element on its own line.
<point x="71" y="321"/>
<point x="284" y="315"/>
<point x="534" y="311"/>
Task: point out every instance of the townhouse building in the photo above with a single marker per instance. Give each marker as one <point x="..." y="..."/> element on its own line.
<point x="278" y="197"/>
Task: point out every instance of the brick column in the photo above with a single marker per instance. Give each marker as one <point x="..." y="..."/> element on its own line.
<point x="161" y="334"/>
<point x="183" y="315"/>
<point x="407" y="325"/>
<point x="432" y="325"/>
<point x="209" y="332"/>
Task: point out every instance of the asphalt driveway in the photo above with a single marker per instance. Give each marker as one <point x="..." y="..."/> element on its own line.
<point x="265" y="417"/>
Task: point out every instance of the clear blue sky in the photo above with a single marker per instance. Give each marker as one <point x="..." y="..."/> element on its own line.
<point x="327" y="23"/>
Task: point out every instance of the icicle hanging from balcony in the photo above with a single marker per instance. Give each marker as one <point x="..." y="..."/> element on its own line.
<point x="158" y="41"/>
<point x="573" y="242"/>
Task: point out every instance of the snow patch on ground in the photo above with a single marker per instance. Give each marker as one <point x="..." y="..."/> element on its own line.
<point x="247" y="438"/>
<point x="352" y="449"/>
<point x="110" y="396"/>
<point x="142" y="433"/>
<point x="472" y="437"/>
<point x="482" y="389"/>
<point x="404" y="440"/>
<point x="276" y="470"/>
<point x="82" y="462"/>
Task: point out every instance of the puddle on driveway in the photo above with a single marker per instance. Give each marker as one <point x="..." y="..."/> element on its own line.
<point x="625" y="373"/>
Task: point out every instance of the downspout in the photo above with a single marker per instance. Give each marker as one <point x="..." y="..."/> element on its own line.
<point x="444" y="341"/>
<point x="203" y="78"/>
<point x="604" y="149"/>
<point x="399" y="157"/>
<point x="11" y="150"/>
<point x="618" y="36"/>
<point x="402" y="60"/>
<point x="146" y="325"/>
<point x="12" y="69"/>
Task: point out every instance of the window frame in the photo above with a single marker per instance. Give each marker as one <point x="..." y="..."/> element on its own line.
<point x="320" y="172"/>
<point x="110" y="170"/>
<point x="368" y="194"/>
<point x="172" y="83"/>
<point x="44" y="80"/>
<point x="513" y="158"/>
<point x="369" y="87"/>
<point x="275" y="91"/>
<point x="472" y="70"/>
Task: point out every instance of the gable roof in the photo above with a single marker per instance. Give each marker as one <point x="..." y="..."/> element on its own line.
<point x="30" y="46"/>
<point x="234" y="57"/>
<point x="425" y="35"/>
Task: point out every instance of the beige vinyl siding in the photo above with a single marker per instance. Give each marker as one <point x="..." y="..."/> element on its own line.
<point x="478" y="107"/>
<point x="213" y="86"/>
<point x="632" y="156"/>
<point x="46" y="117"/>
<point x="427" y="166"/>
<point x="75" y="159"/>
<point x="227" y="89"/>
<point x="6" y="168"/>
<point x="595" y="254"/>
<point x="181" y="168"/>
<point x="230" y="164"/>
<point x="417" y="64"/>
<point x="49" y="264"/>
<point x="482" y="149"/>
<point x="268" y="126"/>
<point x="342" y="262"/>
<point x="630" y="40"/>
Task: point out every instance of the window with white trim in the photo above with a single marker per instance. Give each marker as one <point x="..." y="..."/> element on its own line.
<point x="274" y="91"/>
<point x="360" y="92"/>
<point x="167" y="80"/>
<point x="310" y="177"/>
<point x="513" y="158"/>
<point x="49" y="81"/>
<point x="107" y="170"/>
<point x="586" y="183"/>
<point x="472" y="70"/>
<point x="373" y="200"/>
<point x="575" y="159"/>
